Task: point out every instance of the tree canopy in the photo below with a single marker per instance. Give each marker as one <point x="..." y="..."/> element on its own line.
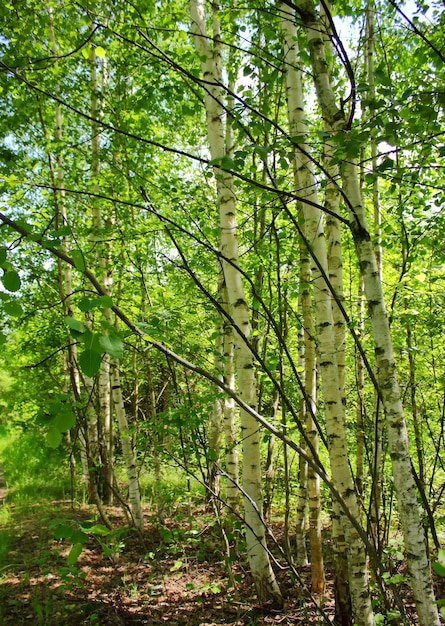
<point x="221" y="246"/>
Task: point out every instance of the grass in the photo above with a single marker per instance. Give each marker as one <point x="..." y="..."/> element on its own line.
<point x="32" y="471"/>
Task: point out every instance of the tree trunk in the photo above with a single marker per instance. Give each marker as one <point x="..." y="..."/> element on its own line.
<point x="134" y="494"/>
<point x="333" y="401"/>
<point x="64" y="269"/>
<point x="263" y="575"/>
<point x="389" y="390"/>
<point x="229" y="416"/>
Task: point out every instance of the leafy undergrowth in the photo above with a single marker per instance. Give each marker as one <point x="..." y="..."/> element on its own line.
<point x="174" y="574"/>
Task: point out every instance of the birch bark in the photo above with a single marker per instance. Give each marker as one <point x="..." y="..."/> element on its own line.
<point x="134" y="495"/>
<point x="334" y="406"/>
<point x="109" y="374"/>
<point x="389" y="389"/>
<point x="377" y="471"/>
<point x="100" y="424"/>
<point x="263" y="575"/>
<point x="64" y="270"/>
<point x="229" y="412"/>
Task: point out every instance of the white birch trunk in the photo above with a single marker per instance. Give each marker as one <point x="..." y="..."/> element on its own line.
<point x="262" y="573"/>
<point x="360" y="382"/>
<point x="414" y="538"/>
<point x="134" y="494"/>
<point x="334" y="407"/>
<point x="214" y="428"/>
<point x="378" y="454"/>
<point x="103" y="418"/>
<point x="229" y="413"/>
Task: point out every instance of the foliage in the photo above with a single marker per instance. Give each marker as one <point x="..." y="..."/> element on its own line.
<point x="111" y="252"/>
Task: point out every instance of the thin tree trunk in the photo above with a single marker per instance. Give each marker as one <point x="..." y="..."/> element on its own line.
<point x="360" y="383"/>
<point x="377" y="481"/>
<point x="214" y="427"/>
<point x="134" y="494"/>
<point x="104" y="471"/>
<point x="229" y="414"/>
<point x="64" y="269"/>
<point x="305" y="183"/>
<point x="263" y="575"/>
<point x="389" y="390"/>
<point x="333" y="401"/>
<point x="302" y="495"/>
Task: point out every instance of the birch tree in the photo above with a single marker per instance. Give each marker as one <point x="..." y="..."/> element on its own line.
<point x="263" y="575"/>
<point x="389" y="389"/>
<point x="334" y="406"/>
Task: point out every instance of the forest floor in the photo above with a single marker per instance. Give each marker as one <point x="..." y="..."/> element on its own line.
<point x="174" y="574"/>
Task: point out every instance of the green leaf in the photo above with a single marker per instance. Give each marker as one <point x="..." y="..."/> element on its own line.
<point x="74" y="324"/>
<point x="227" y="163"/>
<point x="54" y="437"/>
<point x="2" y="338"/>
<point x="212" y="454"/>
<point x="386" y="164"/>
<point x="103" y="302"/>
<point x="100" y="52"/>
<point x="11" y="280"/>
<point x="2" y="255"/>
<point x="79" y="536"/>
<point x="63" y="532"/>
<point x="61" y="232"/>
<point x="261" y="151"/>
<point x="91" y="342"/>
<point x="65" y="420"/>
<point x="79" y="262"/>
<point x="13" y="308"/>
<point x="75" y="552"/>
<point x="86" y="305"/>
<point x="96" y="529"/>
<point x="439" y="569"/>
<point x="89" y="362"/>
<point x="112" y="345"/>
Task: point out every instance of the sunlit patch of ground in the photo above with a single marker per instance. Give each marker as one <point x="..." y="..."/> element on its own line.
<point x="175" y="575"/>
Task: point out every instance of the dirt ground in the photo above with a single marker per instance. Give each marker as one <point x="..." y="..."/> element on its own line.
<point x="174" y="574"/>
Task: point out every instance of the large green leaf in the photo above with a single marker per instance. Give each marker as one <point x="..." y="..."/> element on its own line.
<point x="11" y="280"/>
<point x="75" y="324"/>
<point x="113" y="345"/>
<point x="95" y="529"/>
<point x="79" y="536"/>
<point x="89" y="362"/>
<point x="103" y="302"/>
<point x="63" y="532"/>
<point x="79" y="261"/>
<point x="439" y="568"/>
<point x="75" y="552"/>
<point x="91" y="342"/>
<point x="439" y="565"/>
<point x="13" y="308"/>
<point x="65" y="420"/>
<point x="54" y="437"/>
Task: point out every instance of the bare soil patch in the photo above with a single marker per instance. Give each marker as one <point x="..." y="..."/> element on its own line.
<point x="175" y="576"/>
